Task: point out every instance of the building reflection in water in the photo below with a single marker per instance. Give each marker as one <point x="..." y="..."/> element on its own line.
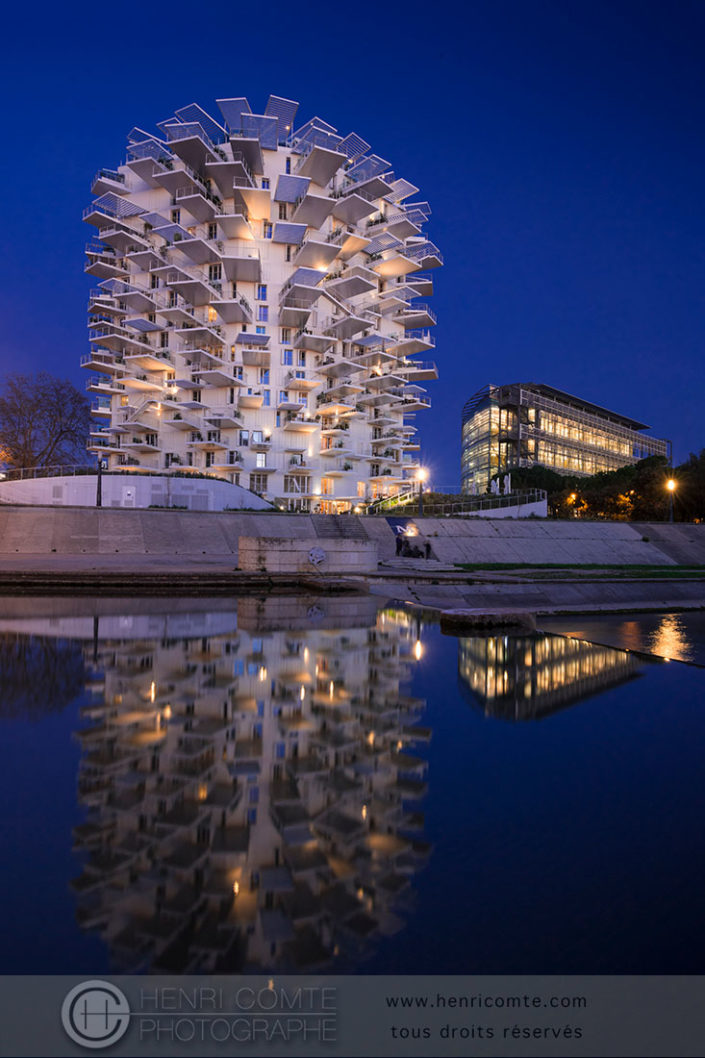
<point x="251" y="790"/>
<point x="528" y="677"/>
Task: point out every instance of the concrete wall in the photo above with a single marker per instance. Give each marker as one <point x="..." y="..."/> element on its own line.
<point x="132" y="491"/>
<point x="89" y="531"/>
<point x="520" y="510"/>
<point x="306" y="555"/>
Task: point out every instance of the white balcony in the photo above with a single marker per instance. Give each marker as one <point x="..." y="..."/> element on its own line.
<point x="357" y="280"/>
<point x="392" y="263"/>
<point x="142" y="384"/>
<point x="353" y="207"/>
<point x="344" y="326"/>
<point x="419" y="371"/>
<point x="200" y="251"/>
<point x="234" y="310"/>
<point x="300" y="423"/>
<point x="258" y="201"/>
<point x="197" y="290"/>
<point x="250" y="401"/>
<point x="333" y="366"/>
<point x="201" y="335"/>
<point x="225" y="173"/>
<point x="215" y="376"/>
<point x="243" y="267"/>
<point x="151" y="361"/>
<point x="183" y="422"/>
<point x="411" y="343"/>
<point x="312" y="341"/>
<point x="320" y="165"/>
<point x="235" y="225"/>
<point x="416" y="316"/>
<point x="100" y="361"/>
<point x="249" y="149"/>
<point x="349" y="242"/>
<point x="201" y="208"/>
<point x="316" y="253"/>
<point x="312" y="210"/>
<point x="302" y="381"/>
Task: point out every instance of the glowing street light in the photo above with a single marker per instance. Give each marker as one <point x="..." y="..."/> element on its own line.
<point x="671" y="485"/>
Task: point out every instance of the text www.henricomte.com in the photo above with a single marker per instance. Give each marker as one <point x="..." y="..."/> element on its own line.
<point x="480" y="1001"/>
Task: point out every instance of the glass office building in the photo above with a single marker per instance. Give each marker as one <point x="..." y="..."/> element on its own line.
<point x="527" y="423"/>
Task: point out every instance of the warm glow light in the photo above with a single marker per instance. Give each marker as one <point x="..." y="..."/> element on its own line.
<point x="418" y="650"/>
<point x="306" y="654"/>
<point x="670" y="484"/>
<point x="331" y="688"/>
<point x="302" y="693"/>
<point x="421" y="474"/>
<point x="236" y="888"/>
<point x="202" y="792"/>
<point x="152" y="691"/>
<point x="262" y="674"/>
<point x="364" y="812"/>
<point x="371" y="738"/>
<point x="167" y="712"/>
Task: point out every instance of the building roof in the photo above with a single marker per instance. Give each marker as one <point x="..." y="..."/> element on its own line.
<point x="555" y="394"/>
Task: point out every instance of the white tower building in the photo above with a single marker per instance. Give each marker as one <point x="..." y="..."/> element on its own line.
<point x="258" y="315"/>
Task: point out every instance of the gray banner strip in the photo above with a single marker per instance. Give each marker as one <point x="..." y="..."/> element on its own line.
<point x="317" y="1016"/>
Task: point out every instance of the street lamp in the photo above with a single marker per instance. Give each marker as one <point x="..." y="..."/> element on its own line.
<point x="421" y="475"/>
<point x="671" y="486"/>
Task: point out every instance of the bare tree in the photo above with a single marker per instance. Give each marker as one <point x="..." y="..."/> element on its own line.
<point x="43" y="421"/>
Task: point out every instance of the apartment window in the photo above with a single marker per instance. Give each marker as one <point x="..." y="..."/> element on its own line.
<point x="261" y="459"/>
<point x="154" y="282"/>
<point x="176" y="216"/>
<point x="260" y="330"/>
<point x="261" y="292"/>
<point x="258" y="482"/>
<point x="257" y="437"/>
<point x="209" y="459"/>
<point x="285" y="335"/>
<point x="266" y="230"/>
<point x="301" y="359"/>
<point x="288" y="253"/>
<point x="299" y="374"/>
<point x="283" y="396"/>
<point x="263" y="313"/>
<point x="266" y="398"/>
<point x="264" y="376"/>
<point x="282" y="211"/>
<point x="231" y="396"/>
<point x="287" y="357"/>
<point x="361" y="489"/>
<point x="287" y="165"/>
<point x="244" y="438"/>
<point x="215" y="272"/>
<point x="151" y="317"/>
<point x="212" y="231"/>
<point x="172" y="298"/>
<point x="164" y="340"/>
<point x="212" y="314"/>
<point x="197" y="395"/>
<point x="265" y="183"/>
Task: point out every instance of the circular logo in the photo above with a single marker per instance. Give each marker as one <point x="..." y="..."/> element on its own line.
<point x="95" y="1014"/>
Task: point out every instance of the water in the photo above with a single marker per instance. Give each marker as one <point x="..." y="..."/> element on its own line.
<point x="299" y="784"/>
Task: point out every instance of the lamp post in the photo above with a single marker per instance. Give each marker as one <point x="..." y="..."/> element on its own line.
<point x="421" y="476"/>
<point x="671" y="486"/>
<point x="99" y="483"/>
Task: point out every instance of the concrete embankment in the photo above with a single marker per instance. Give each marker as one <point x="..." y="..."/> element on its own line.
<point x="173" y="552"/>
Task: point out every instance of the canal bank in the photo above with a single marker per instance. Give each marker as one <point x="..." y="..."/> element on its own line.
<point x="541" y="567"/>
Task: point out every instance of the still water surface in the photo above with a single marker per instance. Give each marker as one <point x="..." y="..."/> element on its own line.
<point x="304" y="784"/>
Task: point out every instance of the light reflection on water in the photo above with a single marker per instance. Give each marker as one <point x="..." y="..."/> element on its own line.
<point x="672" y="636"/>
<point x="255" y="781"/>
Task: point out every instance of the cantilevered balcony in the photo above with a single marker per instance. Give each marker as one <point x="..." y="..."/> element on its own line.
<point x="101" y="408"/>
<point x="142" y="384"/>
<point x="249" y="149"/>
<point x="104" y="263"/>
<point x="250" y="399"/>
<point x="418" y="370"/>
<point x="99" y="360"/>
<point x="301" y="380"/>
<point x="194" y="288"/>
<point x="351" y="205"/>
<point x="411" y="398"/>
<point x="394" y="262"/>
<point x="109" y="180"/>
<point x="344" y="326"/>
<point x="243" y="266"/>
<point x="313" y="340"/>
<point x="235" y="225"/>
<point x="200" y="207"/>
<point x="108" y="386"/>
<point x="258" y="201"/>
<point x="337" y="366"/>
<point x="191" y="143"/>
<point x="415" y="317"/>
<point x="320" y="164"/>
<point x="348" y="241"/>
<point x="411" y="342"/>
<point x="355" y="280"/>
<point x="300" y="422"/>
<point x="179" y="421"/>
<point x="225" y="173"/>
<point x="311" y="209"/>
<point x="234" y="310"/>
<point x="200" y="251"/>
<point x="201" y="335"/>
<point x="316" y="252"/>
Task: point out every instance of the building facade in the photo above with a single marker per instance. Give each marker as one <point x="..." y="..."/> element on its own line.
<point x="259" y="309"/>
<point x="527" y="424"/>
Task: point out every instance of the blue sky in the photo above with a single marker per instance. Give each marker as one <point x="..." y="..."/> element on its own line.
<point x="560" y="145"/>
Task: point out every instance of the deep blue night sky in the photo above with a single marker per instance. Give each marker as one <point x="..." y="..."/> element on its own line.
<point x="559" y="143"/>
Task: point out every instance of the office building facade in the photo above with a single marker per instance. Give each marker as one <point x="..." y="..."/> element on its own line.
<point x="526" y="424"/>
<point x="260" y="308"/>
